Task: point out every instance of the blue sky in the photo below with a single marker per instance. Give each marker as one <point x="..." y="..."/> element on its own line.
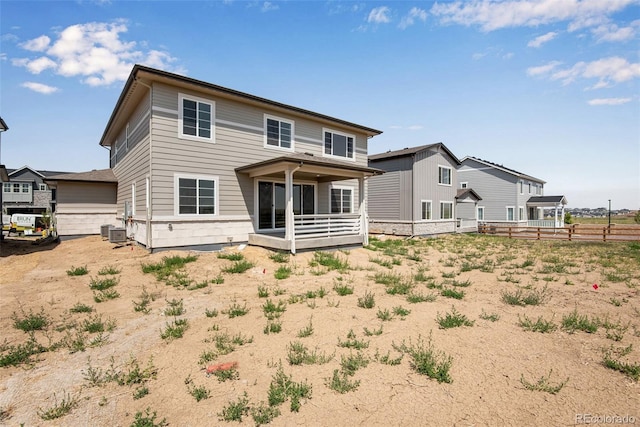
<point x="548" y="87"/>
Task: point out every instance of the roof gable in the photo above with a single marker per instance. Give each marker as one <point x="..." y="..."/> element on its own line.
<point x="413" y="150"/>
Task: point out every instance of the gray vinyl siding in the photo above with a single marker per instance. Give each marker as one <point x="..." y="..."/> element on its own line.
<point x="80" y="196"/>
<point x="134" y="165"/>
<point x="389" y="194"/>
<point x="497" y="188"/>
<point x="238" y="141"/>
<point x="426" y="186"/>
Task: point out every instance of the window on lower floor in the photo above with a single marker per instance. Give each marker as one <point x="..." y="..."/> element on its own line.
<point x="446" y="210"/>
<point x="341" y="200"/>
<point x="197" y="196"/>
<point x="480" y="213"/>
<point x="339" y="144"/>
<point x="510" y="213"/>
<point x="521" y="213"/>
<point x="426" y="209"/>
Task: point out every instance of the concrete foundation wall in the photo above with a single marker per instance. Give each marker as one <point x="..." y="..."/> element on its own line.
<point x="405" y="229"/>
<point x="74" y="224"/>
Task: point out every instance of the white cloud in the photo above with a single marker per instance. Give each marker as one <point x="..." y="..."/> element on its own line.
<point x="379" y="15"/>
<point x="608" y="71"/>
<point x="40" y="88"/>
<point x="413" y="15"/>
<point x="540" y="40"/>
<point x="38" y="44"/>
<point x="493" y="15"/>
<point x="610" y="32"/>
<point x="608" y="101"/>
<point x="94" y="51"/>
<point x="268" y="6"/>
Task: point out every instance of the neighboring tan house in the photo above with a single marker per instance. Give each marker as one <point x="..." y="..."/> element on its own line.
<point x="509" y="197"/>
<point x="198" y="163"/>
<point x="27" y="193"/>
<point x="418" y="194"/>
<point x="85" y="201"/>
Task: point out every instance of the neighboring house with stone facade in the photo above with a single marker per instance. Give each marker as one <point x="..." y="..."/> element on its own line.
<point x="27" y="193"/>
<point x="418" y="193"/>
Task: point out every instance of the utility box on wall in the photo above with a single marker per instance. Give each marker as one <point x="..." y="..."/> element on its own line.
<point x="117" y="235"/>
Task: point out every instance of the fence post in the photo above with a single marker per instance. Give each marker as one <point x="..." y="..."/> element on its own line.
<point x="509" y="232"/>
<point x="604" y="234"/>
<point x="569" y="233"/>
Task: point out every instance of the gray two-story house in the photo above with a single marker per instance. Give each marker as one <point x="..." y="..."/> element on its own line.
<point x="198" y="163"/>
<point x="26" y="192"/>
<point x="418" y="193"/>
<point x="509" y="197"/>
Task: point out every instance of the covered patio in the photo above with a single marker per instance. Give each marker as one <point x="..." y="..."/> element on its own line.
<point x="536" y="206"/>
<point x="287" y="212"/>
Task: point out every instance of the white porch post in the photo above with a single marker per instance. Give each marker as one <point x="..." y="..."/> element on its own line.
<point x="364" y="223"/>
<point x="562" y="218"/>
<point x="555" y="217"/>
<point x="289" y="231"/>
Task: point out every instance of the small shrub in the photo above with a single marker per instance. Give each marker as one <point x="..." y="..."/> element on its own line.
<point x="102" y="296"/>
<point x="272" y="327"/>
<point x="109" y="270"/>
<point x="148" y="419"/>
<point x="175" y="329"/>
<point x="140" y="392"/>
<point x="231" y="256"/>
<point x="31" y="321"/>
<point x="521" y="298"/>
<point x="343" y="289"/>
<point x="330" y="261"/>
<point x="96" y="324"/>
<point x="453" y="320"/>
<point x="273" y="311"/>
<point x="576" y="322"/>
<point x="540" y="325"/>
<point x="238" y="267"/>
<point x="298" y="354"/>
<point x="426" y="360"/>
<point x="492" y="317"/>
<point x="20" y="354"/>
<point x="384" y="315"/>
<point x="263" y="292"/>
<point x="211" y="313"/>
<point x="264" y="414"/>
<point x="307" y="331"/>
<point x="352" y="342"/>
<point x="416" y="297"/>
<point x="280" y="257"/>
<point x="103" y="284"/>
<point x="375" y="332"/>
<point x="452" y="293"/>
<point x="282" y="387"/>
<point x="176" y="308"/>
<point x="59" y="409"/>
<point x="198" y="392"/>
<point x="81" y="308"/>
<point x="632" y="370"/>
<point x="352" y="363"/>
<point x="341" y="382"/>
<point x="367" y="301"/>
<point x="543" y="384"/>
<point x="77" y="271"/>
<point x="234" y="411"/>
<point x="236" y="310"/>
<point x="283" y="272"/>
<point x="387" y="359"/>
<point x="401" y="311"/>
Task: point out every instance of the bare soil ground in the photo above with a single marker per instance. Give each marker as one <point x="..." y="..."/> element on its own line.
<point x="494" y="363"/>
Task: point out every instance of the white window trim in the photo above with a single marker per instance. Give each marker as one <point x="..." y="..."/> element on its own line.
<point x="521" y="213"/>
<point x="453" y="214"/>
<point x="181" y="135"/>
<point x="450" y="175"/>
<point x="293" y="133"/>
<point x="464" y="184"/>
<point x="342" y="187"/>
<point x="478" y="216"/>
<point x="507" y="213"/>
<point x="521" y="182"/>
<point x="347" y="135"/>
<point x="430" y="210"/>
<point x="42" y="187"/>
<point x="176" y="195"/>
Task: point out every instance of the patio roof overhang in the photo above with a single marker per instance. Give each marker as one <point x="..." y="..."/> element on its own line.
<point x="308" y="166"/>
<point x="546" y="201"/>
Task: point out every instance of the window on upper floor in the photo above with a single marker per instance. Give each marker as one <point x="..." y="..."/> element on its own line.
<point x="6" y="187"/>
<point x="278" y="133"/>
<point x="26" y="188"/>
<point x="529" y="188"/>
<point x="426" y="209"/>
<point x="444" y="175"/>
<point x="196" y="195"/>
<point x="42" y="187"/>
<point x="446" y="210"/>
<point x="341" y="200"/>
<point x="464" y="185"/>
<point x="196" y="118"/>
<point x="339" y="144"/>
<point x="521" y="187"/>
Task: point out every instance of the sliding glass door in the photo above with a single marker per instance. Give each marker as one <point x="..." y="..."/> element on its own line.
<point x="272" y="203"/>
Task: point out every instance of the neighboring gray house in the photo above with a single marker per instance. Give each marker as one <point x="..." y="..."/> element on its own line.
<point x="418" y="194"/>
<point x="27" y="192"/>
<point x="198" y="163"/>
<point x="509" y="197"/>
<point x="85" y="201"/>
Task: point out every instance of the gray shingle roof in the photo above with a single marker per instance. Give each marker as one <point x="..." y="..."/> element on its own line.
<point x="100" y="175"/>
<point x="412" y="150"/>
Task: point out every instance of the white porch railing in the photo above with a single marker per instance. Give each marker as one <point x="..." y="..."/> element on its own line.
<point x="544" y="223"/>
<point x="326" y="225"/>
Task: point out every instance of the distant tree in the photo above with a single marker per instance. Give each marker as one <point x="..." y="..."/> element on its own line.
<point x="636" y="218"/>
<point x="568" y="219"/>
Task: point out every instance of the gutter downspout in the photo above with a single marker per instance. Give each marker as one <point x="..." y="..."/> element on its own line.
<point x="148" y="177"/>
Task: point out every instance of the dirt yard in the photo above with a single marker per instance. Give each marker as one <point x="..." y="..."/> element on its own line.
<point x="464" y="330"/>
